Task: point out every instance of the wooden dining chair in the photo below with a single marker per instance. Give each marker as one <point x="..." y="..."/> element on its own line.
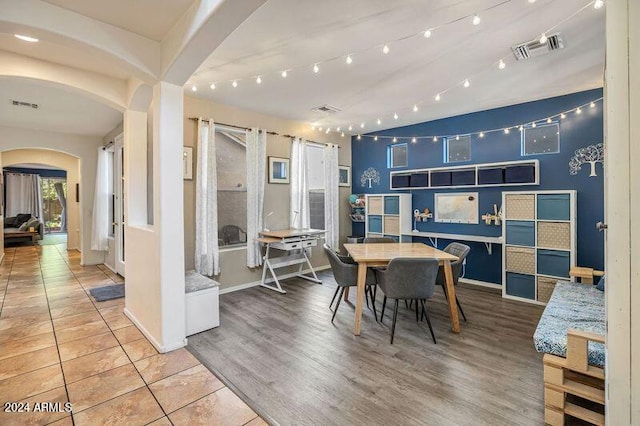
<point x="408" y="279"/>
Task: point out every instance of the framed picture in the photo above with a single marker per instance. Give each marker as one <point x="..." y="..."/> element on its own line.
<point x="344" y="175"/>
<point x="278" y="170"/>
<point x="187" y="163"/>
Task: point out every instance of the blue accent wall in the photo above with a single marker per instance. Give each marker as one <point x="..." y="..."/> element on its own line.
<point x="576" y="131"/>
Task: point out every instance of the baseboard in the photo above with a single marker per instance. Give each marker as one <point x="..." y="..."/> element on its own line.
<point x="481" y="283"/>
<point x="150" y="338"/>
<point x="270" y="280"/>
<point x="110" y="268"/>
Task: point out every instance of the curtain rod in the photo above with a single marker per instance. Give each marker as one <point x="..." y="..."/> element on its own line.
<point x="268" y="132"/>
<point x="107" y="145"/>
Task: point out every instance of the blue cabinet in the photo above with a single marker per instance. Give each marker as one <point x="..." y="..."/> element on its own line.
<point x="521" y="233"/>
<point x="392" y="205"/>
<point x="521" y="285"/>
<point x="375" y="224"/>
<point x="554" y="207"/>
<point x="554" y="262"/>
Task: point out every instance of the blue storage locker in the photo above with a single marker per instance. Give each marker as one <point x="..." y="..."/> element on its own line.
<point x="400" y="181"/>
<point x="375" y="223"/>
<point x="521" y="233"/>
<point x="391" y="205"/>
<point x="554" y="206"/>
<point x="441" y="179"/>
<point x="554" y="262"/>
<point x="521" y="285"/>
<point x="463" y="177"/>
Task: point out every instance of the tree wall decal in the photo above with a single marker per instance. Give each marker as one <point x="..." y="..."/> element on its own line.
<point x="591" y="154"/>
<point x="370" y="175"/>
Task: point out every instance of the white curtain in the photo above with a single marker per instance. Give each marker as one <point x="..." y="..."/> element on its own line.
<point x="100" y="219"/>
<point x="24" y="195"/>
<point x="331" y="186"/>
<point x="207" y="257"/>
<point x="256" y="172"/>
<point x="299" y="215"/>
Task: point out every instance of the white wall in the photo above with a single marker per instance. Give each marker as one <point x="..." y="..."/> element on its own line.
<point x="1" y="220"/>
<point x="85" y="148"/>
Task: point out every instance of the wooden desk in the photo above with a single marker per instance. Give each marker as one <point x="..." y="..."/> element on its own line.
<point x="296" y="241"/>
<point x="372" y="255"/>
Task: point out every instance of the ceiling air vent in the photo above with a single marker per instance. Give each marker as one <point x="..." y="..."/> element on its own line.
<point x="533" y="48"/>
<point x="24" y="104"/>
<point x="327" y="109"/>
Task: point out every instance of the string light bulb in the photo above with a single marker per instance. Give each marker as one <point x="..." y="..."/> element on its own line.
<point x="563" y="115"/>
<point x="501" y="64"/>
<point x="592" y="105"/>
<point x="359" y="137"/>
<point x="533" y="124"/>
<point x="521" y="128"/>
<point x="437" y="97"/>
<point x="476" y="19"/>
<point x="316" y="68"/>
<point x="259" y="80"/>
<point x="350" y="127"/>
<point x="435" y="139"/>
<point x="427" y="34"/>
<point x="328" y="130"/>
<point x="395" y="139"/>
<point x="457" y="137"/>
<point x="194" y="88"/>
<point x="337" y="129"/>
<point x="506" y="131"/>
<point x="212" y="86"/>
<point x="481" y="134"/>
<point x="549" y="120"/>
<point x="395" y="115"/>
<point x="466" y="83"/>
<point x="598" y="4"/>
<point x="235" y="83"/>
<point x="415" y="108"/>
<point x="578" y="110"/>
<point x="543" y="38"/>
<point x="349" y="60"/>
<point x="414" y="140"/>
<point x="385" y="49"/>
<point x="284" y="74"/>
<point x="379" y="122"/>
<point x="362" y="125"/>
<point x="342" y="134"/>
<point x="375" y="138"/>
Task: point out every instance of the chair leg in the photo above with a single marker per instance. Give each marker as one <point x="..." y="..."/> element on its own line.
<point x="334" y="297"/>
<point x="444" y="290"/>
<point x="384" y="303"/>
<point x="373" y="303"/>
<point x="406" y="304"/>
<point x="417" y="318"/>
<point x="395" y="316"/>
<point x="372" y="289"/>
<point x="366" y="296"/>
<point x="424" y="311"/>
<point x="461" y="311"/>
<point x="335" y="311"/>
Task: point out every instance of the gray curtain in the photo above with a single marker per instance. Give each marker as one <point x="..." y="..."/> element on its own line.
<point x="24" y="194"/>
<point x="63" y="203"/>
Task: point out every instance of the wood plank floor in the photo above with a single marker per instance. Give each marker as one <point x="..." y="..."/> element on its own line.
<point x="295" y="367"/>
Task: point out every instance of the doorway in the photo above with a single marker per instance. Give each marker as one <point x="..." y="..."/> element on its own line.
<point x="54" y="204"/>
<point x="118" y="204"/>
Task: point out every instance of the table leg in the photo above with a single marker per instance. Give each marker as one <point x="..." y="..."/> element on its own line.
<point x="451" y="292"/>
<point x="362" y="276"/>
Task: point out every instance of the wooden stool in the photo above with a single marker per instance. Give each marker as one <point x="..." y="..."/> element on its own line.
<point x="585" y="275"/>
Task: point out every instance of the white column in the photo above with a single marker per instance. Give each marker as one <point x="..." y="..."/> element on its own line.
<point x="622" y="201"/>
<point x="154" y="254"/>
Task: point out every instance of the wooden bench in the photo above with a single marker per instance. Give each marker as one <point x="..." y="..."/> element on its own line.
<point x="574" y="379"/>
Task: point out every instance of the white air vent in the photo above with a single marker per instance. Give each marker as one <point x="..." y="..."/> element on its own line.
<point x="533" y="48"/>
<point x="327" y="109"/>
<point x="24" y="104"/>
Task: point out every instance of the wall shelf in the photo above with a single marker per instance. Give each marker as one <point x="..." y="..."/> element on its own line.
<point x="433" y="237"/>
<point x="508" y="173"/>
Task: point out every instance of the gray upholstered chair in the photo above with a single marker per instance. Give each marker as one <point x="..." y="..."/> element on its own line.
<point x="461" y="251"/>
<point x="345" y="272"/>
<point x="378" y="240"/>
<point x="408" y="279"/>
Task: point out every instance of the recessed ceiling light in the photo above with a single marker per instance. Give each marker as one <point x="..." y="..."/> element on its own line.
<point x="27" y="38"/>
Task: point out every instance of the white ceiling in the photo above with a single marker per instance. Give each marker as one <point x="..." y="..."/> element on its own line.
<point x="59" y="110"/>
<point x="149" y="18"/>
<point x="284" y="34"/>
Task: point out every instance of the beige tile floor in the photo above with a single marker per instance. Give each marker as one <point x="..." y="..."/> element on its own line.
<point x="59" y="345"/>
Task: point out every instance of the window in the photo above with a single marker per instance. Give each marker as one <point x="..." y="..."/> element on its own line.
<point x="397" y="155"/>
<point x="231" y="165"/>
<point x="457" y="149"/>
<point x="315" y="174"/>
<point x="541" y="139"/>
